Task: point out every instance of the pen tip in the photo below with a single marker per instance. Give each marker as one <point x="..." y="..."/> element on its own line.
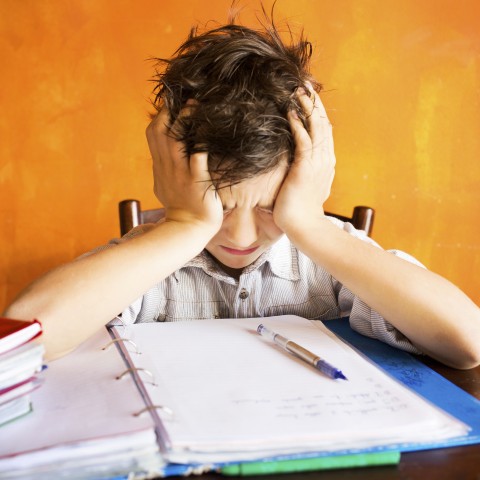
<point x="341" y="376"/>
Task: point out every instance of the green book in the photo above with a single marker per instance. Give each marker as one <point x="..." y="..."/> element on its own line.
<point x="310" y="464"/>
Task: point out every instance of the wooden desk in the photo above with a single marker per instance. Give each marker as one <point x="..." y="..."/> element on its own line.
<point x="457" y="463"/>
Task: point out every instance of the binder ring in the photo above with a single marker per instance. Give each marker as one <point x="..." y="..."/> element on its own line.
<point x="132" y="370"/>
<point x="122" y="323"/>
<point x="123" y="340"/>
<point x="165" y="409"/>
<point x="120" y="319"/>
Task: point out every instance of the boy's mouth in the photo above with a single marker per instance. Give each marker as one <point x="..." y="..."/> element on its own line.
<point x="234" y="251"/>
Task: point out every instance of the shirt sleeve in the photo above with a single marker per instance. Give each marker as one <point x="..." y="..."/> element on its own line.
<point x="363" y="319"/>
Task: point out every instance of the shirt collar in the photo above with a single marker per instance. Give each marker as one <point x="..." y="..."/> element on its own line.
<point x="282" y="257"/>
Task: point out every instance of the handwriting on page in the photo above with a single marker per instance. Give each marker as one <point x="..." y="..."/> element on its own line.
<point x="372" y="402"/>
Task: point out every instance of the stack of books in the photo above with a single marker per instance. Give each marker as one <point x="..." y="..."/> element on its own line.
<point x="21" y="360"/>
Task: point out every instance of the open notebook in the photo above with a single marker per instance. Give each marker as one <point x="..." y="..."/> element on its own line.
<point x="220" y="392"/>
<point x="215" y="392"/>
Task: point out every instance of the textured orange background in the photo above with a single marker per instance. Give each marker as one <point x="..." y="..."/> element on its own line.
<point x="402" y="87"/>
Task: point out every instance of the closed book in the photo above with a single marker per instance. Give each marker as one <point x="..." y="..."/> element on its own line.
<point x="15" y="409"/>
<point x="14" y="333"/>
<point x="20" y="364"/>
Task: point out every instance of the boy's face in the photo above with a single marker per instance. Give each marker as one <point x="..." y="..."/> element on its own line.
<point x="248" y="228"/>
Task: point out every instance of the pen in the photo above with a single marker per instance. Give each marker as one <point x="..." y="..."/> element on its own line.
<point x="302" y="353"/>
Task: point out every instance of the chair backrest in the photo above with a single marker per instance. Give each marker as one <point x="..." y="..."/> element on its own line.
<point x="131" y="215"/>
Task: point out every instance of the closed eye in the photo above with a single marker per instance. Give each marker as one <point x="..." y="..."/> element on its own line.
<point x="268" y="211"/>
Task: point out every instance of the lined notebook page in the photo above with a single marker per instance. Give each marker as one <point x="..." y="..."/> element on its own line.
<point x="236" y="395"/>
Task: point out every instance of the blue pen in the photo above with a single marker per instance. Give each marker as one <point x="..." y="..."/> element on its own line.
<point x="302" y="353"/>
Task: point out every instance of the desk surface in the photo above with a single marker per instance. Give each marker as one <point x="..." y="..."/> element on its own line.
<point x="440" y="464"/>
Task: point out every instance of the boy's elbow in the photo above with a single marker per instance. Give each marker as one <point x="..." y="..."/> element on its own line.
<point x="456" y="349"/>
<point x="18" y="311"/>
<point x="471" y="358"/>
<point x="22" y="309"/>
<point x="55" y="345"/>
<point x="469" y="354"/>
<point x="462" y="344"/>
<point x="466" y="363"/>
<point x="460" y="359"/>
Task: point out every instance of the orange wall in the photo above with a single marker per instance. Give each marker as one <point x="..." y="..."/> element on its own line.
<point x="402" y="88"/>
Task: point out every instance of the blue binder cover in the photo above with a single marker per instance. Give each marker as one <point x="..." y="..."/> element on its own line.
<point x="409" y="371"/>
<point x="420" y="378"/>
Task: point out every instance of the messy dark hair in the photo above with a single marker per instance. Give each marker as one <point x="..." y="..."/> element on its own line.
<point x="242" y="83"/>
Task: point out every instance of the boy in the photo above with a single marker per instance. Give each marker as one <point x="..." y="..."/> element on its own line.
<point x="243" y="162"/>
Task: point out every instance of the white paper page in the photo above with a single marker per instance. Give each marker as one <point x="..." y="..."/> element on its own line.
<point x="80" y="401"/>
<point x="233" y="390"/>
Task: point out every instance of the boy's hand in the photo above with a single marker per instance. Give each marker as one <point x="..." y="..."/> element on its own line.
<point x="181" y="183"/>
<point x="309" y="180"/>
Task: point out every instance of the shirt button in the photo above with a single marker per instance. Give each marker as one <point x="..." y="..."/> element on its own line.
<point x="243" y="294"/>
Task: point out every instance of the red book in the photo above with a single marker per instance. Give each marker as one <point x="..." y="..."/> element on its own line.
<point x="14" y="333"/>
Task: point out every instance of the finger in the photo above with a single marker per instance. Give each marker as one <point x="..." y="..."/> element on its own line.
<point x="199" y="167"/>
<point x="318" y="124"/>
<point x="157" y="126"/>
<point x="168" y="155"/>
<point x="183" y="115"/>
<point x="320" y="139"/>
<point x="312" y="106"/>
<point x="201" y="175"/>
<point x="303" y="142"/>
<point x="316" y="100"/>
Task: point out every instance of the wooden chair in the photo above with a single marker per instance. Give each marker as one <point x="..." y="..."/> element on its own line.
<point x="131" y="215"/>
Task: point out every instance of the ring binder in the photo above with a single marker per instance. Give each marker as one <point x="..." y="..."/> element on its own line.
<point x="135" y="369"/>
<point x="154" y="407"/>
<point x="222" y="420"/>
<point x="123" y="340"/>
<point x="113" y="323"/>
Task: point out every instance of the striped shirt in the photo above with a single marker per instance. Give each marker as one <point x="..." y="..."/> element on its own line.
<point x="281" y="281"/>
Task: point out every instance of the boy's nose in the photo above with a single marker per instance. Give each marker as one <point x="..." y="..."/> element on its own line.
<point x="242" y="229"/>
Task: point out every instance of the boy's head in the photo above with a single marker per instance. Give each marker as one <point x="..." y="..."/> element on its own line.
<point x="243" y="83"/>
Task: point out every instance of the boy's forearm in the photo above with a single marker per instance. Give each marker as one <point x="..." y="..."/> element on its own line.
<point x="434" y="314"/>
<point x="76" y="299"/>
